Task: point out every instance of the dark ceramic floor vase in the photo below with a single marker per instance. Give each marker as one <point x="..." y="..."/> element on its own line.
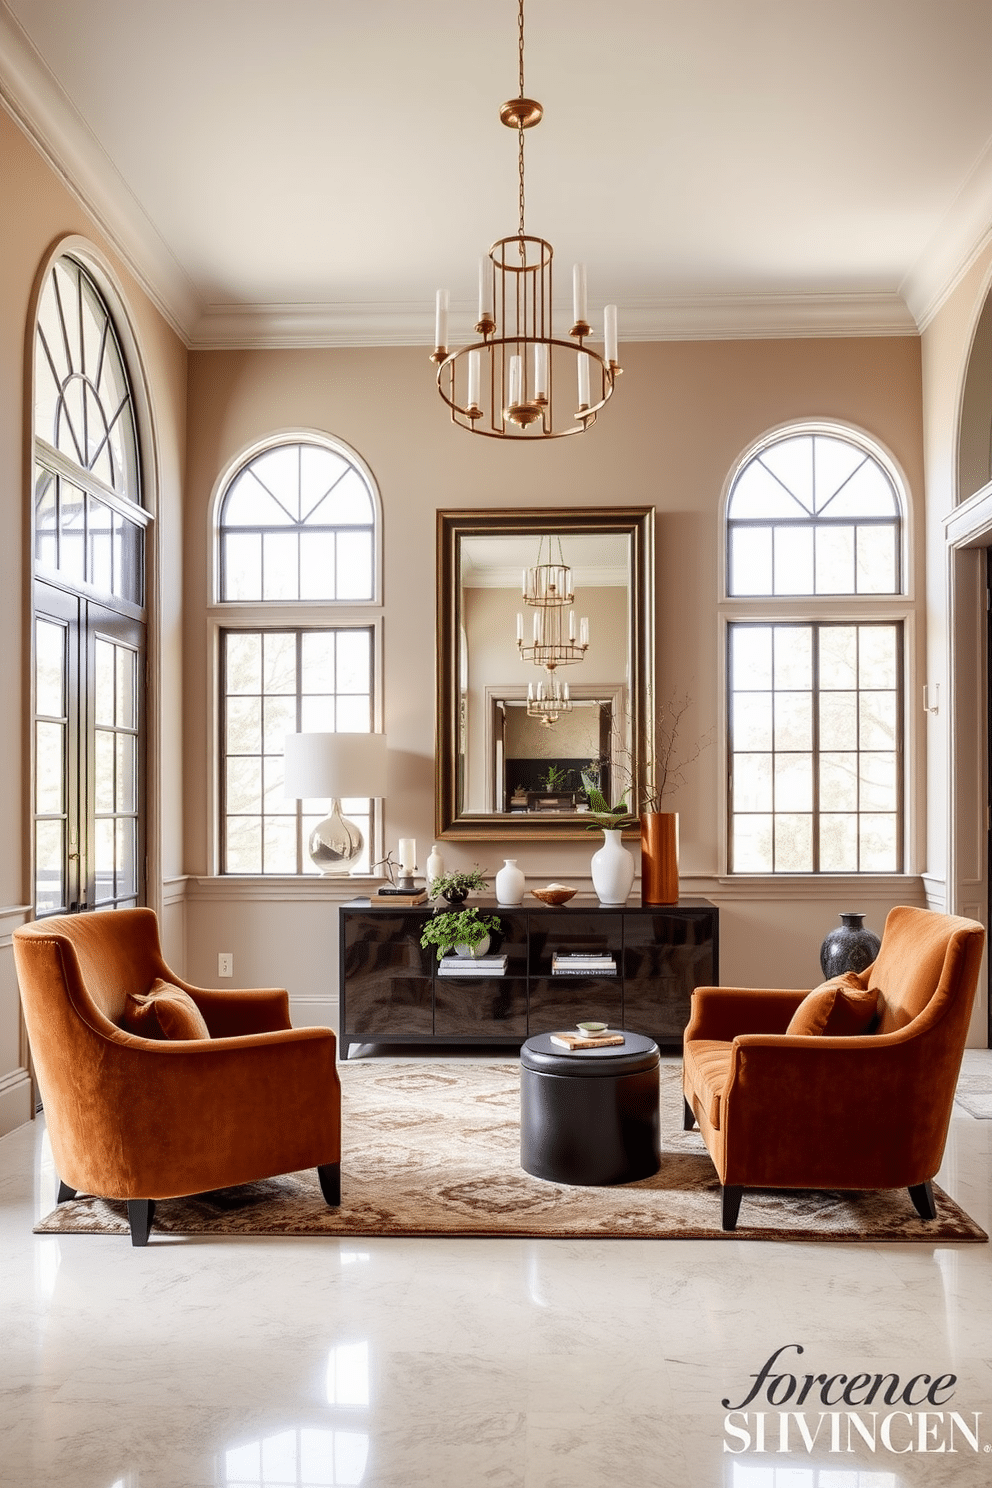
<point x="850" y="947"/>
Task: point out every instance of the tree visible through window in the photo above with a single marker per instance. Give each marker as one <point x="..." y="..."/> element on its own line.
<point x="815" y="704"/>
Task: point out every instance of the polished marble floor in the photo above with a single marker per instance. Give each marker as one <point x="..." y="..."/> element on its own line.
<point x="481" y="1364"/>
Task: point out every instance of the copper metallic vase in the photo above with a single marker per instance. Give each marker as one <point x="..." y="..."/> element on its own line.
<point x="660" y="857"/>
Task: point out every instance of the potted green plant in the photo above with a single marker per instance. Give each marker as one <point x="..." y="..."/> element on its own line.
<point x="555" y="778"/>
<point x="464" y="931"/>
<point x="456" y="887"/>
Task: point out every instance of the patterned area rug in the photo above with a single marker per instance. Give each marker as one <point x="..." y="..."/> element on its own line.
<point x="433" y="1149"/>
<point x="974" y="1089"/>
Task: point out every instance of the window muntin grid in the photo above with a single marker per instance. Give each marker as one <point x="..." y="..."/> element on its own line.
<point x="273" y="683"/>
<point x="83" y="405"/>
<point x="813" y="514"/>
<point x="297" y="524"/>
<point x="816" y="769"/>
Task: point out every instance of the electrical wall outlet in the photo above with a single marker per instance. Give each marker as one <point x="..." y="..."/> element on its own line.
<point x="225" y="964"/>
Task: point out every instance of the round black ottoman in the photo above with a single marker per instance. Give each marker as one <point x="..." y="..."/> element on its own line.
<point x="589" y="1115"/>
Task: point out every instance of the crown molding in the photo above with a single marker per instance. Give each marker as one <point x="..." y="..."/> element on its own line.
<point x="32" y="96"/>
<point x="964" y="233"/>
<point x="701" y="318"/>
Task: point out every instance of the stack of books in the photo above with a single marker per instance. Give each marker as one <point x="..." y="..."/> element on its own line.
<point x="390" y="895"/>
<point x="583" y="963"/>
<point x="472" y="966"/>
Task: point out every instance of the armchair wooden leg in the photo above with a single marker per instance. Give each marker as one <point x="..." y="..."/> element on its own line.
<point x="923" y="1200"/>
<point x="731" y="1195"/>
<point x="330" y="1183"/>
<point x="140" y="1213"/>
<point x="688" y="1119"/>
<point x="64" y="1193"/>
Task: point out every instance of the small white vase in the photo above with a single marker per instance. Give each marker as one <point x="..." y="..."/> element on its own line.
<point x="612" y="869"/>
<point x="510" y="883"/>
<point x="434" y="867"/>
<point x="474" y="951"/>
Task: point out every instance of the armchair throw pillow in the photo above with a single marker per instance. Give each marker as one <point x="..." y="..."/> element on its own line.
<point x="164" y="1012"/>
<point x="840" y="1008"/>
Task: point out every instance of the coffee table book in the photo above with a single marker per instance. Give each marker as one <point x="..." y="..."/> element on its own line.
<point x="579" y="1041"/>
<point x="471" y="966"/>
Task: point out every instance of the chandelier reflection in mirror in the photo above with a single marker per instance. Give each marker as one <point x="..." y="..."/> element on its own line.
<point x="520" y="381"/>
<point x="548" y="700"/>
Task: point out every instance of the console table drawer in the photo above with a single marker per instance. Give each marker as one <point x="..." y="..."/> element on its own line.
<point x="480" y="1006"/>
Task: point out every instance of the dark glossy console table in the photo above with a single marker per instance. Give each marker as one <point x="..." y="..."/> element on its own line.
<point x="390" y="991"/>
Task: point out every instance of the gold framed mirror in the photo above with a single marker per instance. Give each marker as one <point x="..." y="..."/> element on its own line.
<point x="513" y="767"/>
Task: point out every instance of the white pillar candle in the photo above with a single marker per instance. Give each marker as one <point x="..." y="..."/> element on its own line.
<point x="408" y="854"/>
<point x="571" y="625"/>
<point x="474" y="378"/>
<point x="441" y="320"/>
<point x="579" y="294"/>
<point x="537" y="625"/>
<point x="485" y="281"/>
<point x="516" y="380"/>
<point x="583" y="379"/>
<point x="610" y="332"/>
<point x="520" y="628"/>
<point x="583" y="632"/>
<point x="540" y="370"/>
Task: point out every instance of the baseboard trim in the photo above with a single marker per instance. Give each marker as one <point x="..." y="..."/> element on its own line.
<point x="15" y="1100"/>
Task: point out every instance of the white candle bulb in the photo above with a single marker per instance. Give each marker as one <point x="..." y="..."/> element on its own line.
<point x="540" y="370"/>
<point x="537" y="628"/>
<point x="441" y="320"/>
<point x="485" y="280"/>
<point x="579" y="294"/>
<point x="516" y="380"/>
<point x="520" y="627"/>
<point x="583" y="632"/>
<point x="571" y="625"/>
<point x="610" y="332"/>
<point x="565" y="692"/>
<point x="474" y="378"/>
<point x="583" y="379"/>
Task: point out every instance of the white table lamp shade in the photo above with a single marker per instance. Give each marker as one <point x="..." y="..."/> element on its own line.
<point x="318" y="766"/>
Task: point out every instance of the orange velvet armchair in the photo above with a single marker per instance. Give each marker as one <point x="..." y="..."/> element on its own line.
<point x="865" y="1111"/>
<point x="142" y="1119"/>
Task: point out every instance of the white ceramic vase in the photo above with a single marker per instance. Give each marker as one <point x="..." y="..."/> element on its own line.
<point x="434" y="868"/>
<point x="612" y="869"/>
<point x="474" y="951"/>
<point x="510" y="883"/>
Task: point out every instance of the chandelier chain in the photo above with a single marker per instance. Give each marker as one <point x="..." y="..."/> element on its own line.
<point x="520" y="127"/>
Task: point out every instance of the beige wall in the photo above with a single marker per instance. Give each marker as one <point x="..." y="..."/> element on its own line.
<point x="958" y="530"/>
<point x="37" y="212"/>
<point x="682" y="415"/>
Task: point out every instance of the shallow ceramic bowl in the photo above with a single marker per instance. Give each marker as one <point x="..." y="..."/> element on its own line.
<point x="593" y="1030"/>
<point x="554" y="896"/>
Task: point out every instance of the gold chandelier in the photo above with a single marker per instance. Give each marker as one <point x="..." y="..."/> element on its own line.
<point x="548" y="700"/>
<point x="548" y="583"/>
<point x="520" y="381"/>
<point x="554" y="642"/>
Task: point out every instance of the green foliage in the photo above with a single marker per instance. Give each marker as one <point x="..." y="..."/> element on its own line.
<point x="609" y="818"/>
<point x="555" y="778"/>
<point x="459" y="927"/>
<point x="458" y="883"/>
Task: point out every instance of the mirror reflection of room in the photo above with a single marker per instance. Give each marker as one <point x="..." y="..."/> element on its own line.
<point x="516" y="756"/>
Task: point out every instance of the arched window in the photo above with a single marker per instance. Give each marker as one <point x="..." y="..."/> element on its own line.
<point x="297" y="533"/>
<point x="814" y="658"/>
<point x="89" y="605"/>
<point x="813" y="514"/>
<point x="297" y="522"/>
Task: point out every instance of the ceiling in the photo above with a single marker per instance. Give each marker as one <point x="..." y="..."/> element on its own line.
<point x="309" y="172"/>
